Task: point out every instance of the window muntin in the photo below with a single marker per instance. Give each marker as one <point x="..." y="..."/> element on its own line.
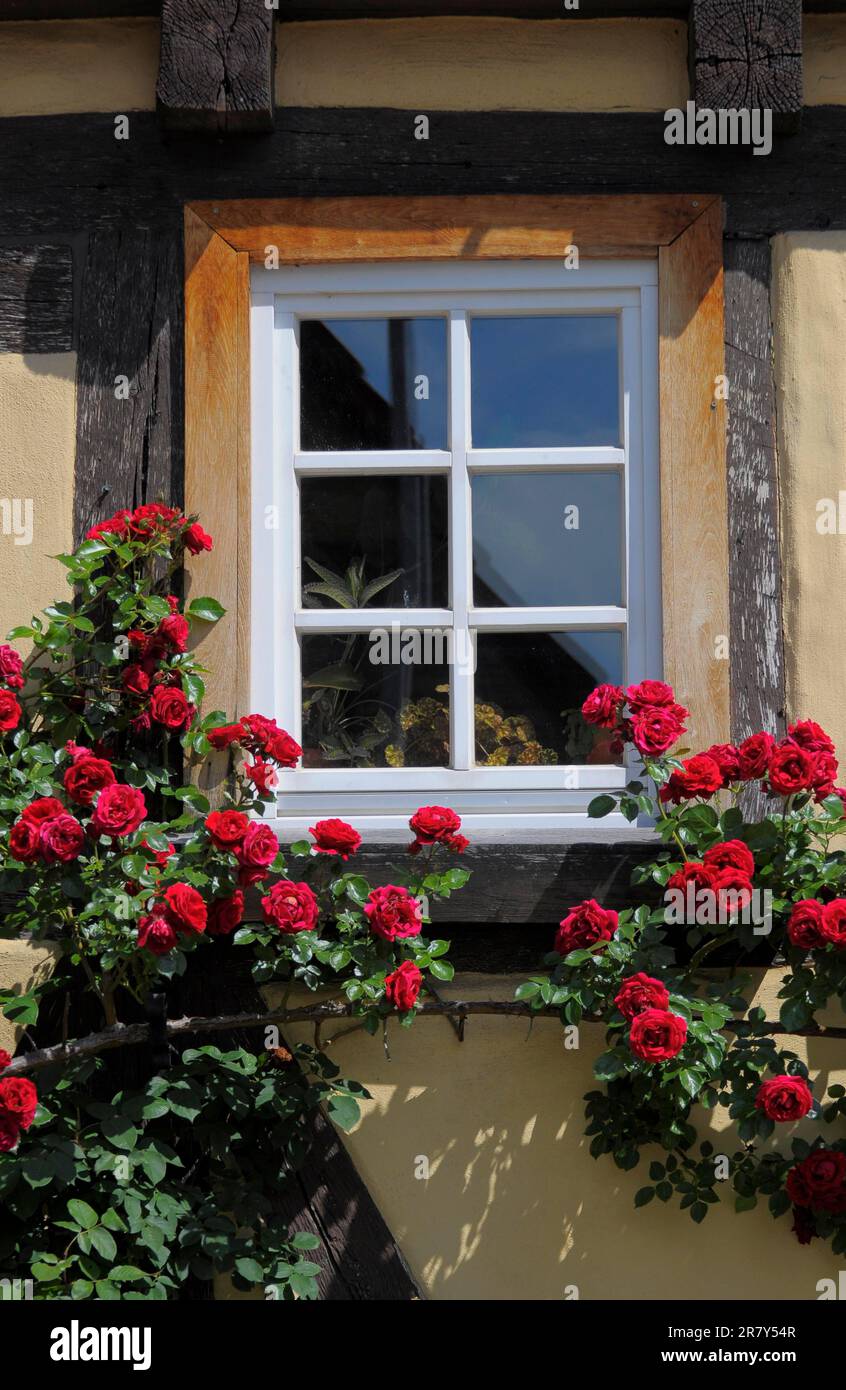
<point x="540" y="611"/>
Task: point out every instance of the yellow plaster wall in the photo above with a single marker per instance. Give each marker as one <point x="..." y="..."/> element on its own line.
<point x="515" y="1207"/>
<point x="809" y="316"/>
<point x="484" y="64"/>
<point x="37" y="447"/>
<point x="824" y="59"/>
<point x="52" y="66"/>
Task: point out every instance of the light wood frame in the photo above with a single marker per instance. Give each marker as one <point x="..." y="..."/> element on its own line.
<point x="222" y="239"/>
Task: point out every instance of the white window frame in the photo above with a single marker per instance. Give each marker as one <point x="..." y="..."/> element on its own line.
<point x="501" y="803"/>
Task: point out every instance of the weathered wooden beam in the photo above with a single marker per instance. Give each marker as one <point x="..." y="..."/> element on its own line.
<point x="36" y="298"/>
<point x="68" y="173"/>
<point x="129" y="374"/>
<point x="216" y="70"/>
<point x="757" y="641"/>
<point x="77" y="9"/>
<point x="747" y="55"/>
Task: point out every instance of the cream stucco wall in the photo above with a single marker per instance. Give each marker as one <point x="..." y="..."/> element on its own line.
<point x="37" y="445"/>
<point x="22" y="965"/>
<point x="515" y="1207"/>
<point x="484" y="64"/>
<point x="809" y="314"/>
<point x="824" y="59"/>
<point x="53" y="66"/>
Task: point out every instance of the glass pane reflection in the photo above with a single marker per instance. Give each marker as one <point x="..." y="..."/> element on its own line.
<point x="529" y="690"/>
<point x="373" y="384"/>
<point x="544" y="381"/>
<point x="545" y="539"/>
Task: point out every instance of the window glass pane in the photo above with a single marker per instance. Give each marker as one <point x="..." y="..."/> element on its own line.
<point x="544" y="381"/>
<point x="529" y="690"/>
<point x="364" y="706"/>
<point x="547" y="539"/>
<point x="361" y="530"/>
<point x="373" y="384"/>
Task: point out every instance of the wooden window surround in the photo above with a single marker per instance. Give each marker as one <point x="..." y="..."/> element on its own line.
<point x="222" y="240"/>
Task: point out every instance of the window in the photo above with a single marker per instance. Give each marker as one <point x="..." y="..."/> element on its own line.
<point x="455" y="530"/>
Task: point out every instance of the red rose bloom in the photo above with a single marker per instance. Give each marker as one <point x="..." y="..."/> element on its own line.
<point x="61" y="839"/>
<point x="804" y="928"/>
<point x="259" y="847"/>
<point x="393" y="913"/>
<point x="43" y="808"/>
<point x="432" y="824"/>
<point x="259" y="728"/>
<point x="160" y="856"/>
<point x="262" y="775"/>
<point x="227" y="828"/>
<point x="10" y="711"/>
<point x="10" y="1133"/>
<point x="656" y="1035"/>
<point x="602" y="706"/>
<point x="335" y="837"/>
<point x="701" y="776"/>
<point x="86" y="777"/>
<point x="651" y="693"/>
<point x="734" y="891"/>
<point x="135" y="679"/>
<point x="156" y="934"/>
<point x="196" y="539"/>
<point x="784" y="1098"/>
<point x="291" y="907"/>
<point x="185" y="909"/>
<point x="811" y="736"/>
<point x="641" y="992"/>
<point x="825" y="774"/>
<point x="151" y="519"/>
<point x="791" y="769"/>
<point x="169" y="706"/>
<point x="11" y="667"/>
<point x="753" y="755"/>
<point x="25" y="841"/>
<point x="282" y="749"/>
<point x="402" y="986"/>
<point x="119" y="811"/>
<point x="819" y="1181"/>
<point x="727" y="758"/>
<point x="457" y="843"/>
<point x="700" y="875"/>
<point x="731" y="854"/>
<point x="655" y="728"/>
<point x="5" y="1059"/>
<point x="585" y="925"/>
<point x="18" y="1100"/>
<point x="117" y="525"/>
<point x="225" y="914"/>
<point x="833" y="925"/>
<point x="225" y="734"/>
<point x="173" y="631"/>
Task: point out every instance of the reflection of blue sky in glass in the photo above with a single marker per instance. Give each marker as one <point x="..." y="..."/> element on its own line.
<point x="524" y="555"/>
<point x="368" y="341"/>
<point x="598" y="653"/>
<point x="543" y="381"/>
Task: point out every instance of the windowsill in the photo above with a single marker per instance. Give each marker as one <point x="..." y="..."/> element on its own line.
<point x="485" y="830"/>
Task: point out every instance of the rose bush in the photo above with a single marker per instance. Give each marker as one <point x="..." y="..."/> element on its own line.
<point x="112" y="853"/>
<point x="681" y="1035"/>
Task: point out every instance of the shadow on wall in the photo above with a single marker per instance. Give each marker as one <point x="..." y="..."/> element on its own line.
<point x="514" y="1207"/>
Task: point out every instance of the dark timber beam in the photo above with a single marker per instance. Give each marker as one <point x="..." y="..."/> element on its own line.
<point x="77" y="9"/>
<point x="389" y="9"/>
<point x="36" y="298"/>
<point x="747" y="54"/>
<point x="216" y="66"/>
